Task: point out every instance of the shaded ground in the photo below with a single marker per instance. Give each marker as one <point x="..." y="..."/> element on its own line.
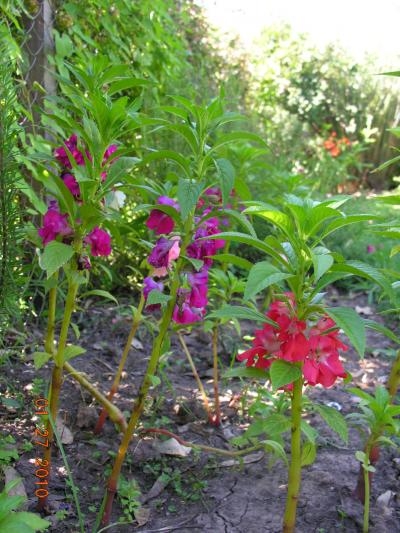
<point x="201" y="492"/>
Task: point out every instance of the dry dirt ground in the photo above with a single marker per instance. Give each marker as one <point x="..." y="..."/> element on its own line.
<point x="202" y="492"/>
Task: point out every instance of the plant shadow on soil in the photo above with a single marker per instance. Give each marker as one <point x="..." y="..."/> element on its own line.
<point x="200" y="492"/>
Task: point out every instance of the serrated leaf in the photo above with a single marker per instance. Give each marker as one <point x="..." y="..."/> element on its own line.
<point x="55" y="255"/>
<point x="282" y="373"/>
<point x="156" y="297"/>
<point x="40" y="359"/>
<point x="321" y="263"/>
<point x="101" y="293"/>
<point x="188" y="194"/>
<point x="72" y="351"/>
<point x="226" y="176"/>
<point x="309" y="431"/>
<point x="277" y="448"/>
<point x="261" y="276"/>
<point x="246" y="372"/>
<point x="335" y="420"/>
<point x="237" y="311"/>
<point x="308" y="453"/>
<point x="376" y="326"/>
<point x="233" y="260"/>
<point x="352" y="324"/>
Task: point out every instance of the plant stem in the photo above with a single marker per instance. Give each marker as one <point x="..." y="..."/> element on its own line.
<point x="113" y="412"/>
<point x="366" y="489"/>
<point x="147" y="379"/>
<point x="289" y="520"/>
<point x="51" y="319"/>
<point x="217" y="409"/>
<point x="114" y="387"/>
<point x="57" y="378"/>
<point x="196" y="376"/>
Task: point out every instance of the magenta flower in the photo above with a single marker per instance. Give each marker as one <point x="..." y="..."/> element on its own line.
<point x="164" y="252"/>
<point x="71" y="184"/>
<point x="184" y="314"/>
<point x="159" y="221"/>
<point x="371" y="249"/>
<point x="202" y="248"/>
<point x="100" y="242"/>
<point x="198" y="282"/>
<point x="61" y="153"/>
<point x="54" y="224"/>
<point x="108" y="153"/>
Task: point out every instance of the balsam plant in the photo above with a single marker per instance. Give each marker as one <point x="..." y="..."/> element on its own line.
<point x="82" y="181"/>
<point x="298" y="344"/>
<point x="379" y="418"/>
<point x="184" y="248"/>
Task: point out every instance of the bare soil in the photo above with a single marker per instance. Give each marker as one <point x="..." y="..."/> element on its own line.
<point x="202" y="492"/>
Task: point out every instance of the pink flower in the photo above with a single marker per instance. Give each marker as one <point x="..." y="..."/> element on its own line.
<point x="71" y="145"/>
<point x="100" y="242"/>
<point x="371" y="249"/>
<point x="164" y="252"/>
<point x="108" y="153"/>
<point x="54" y="224"/>
<point x="159" y="221"/>
<point x="198" y="282"/>
<point x="203" y="248"/>
<point x="71" y="184"/>
<point x="185" y="314"/>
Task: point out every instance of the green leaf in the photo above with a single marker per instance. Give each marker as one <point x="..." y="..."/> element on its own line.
<point x="40" y="359"/>
<point x="101" y="293"/>
<point x="282" y="373"/>
<point x="188" y="194"/>
<point x="156" y="297"/>
<point x="55" y="255"/>
<point x="237" y="311"/>
<point x="277" y="218"/>
<point x="310" y="433"/>
<point x="352" y="324"/>
<point x="308" y="453"/>
<point x="261" y="276"/>
<point x="335" y="420"/>
<point x="33" y="521"/>
<point x="246" y="372"/>
<point x="154" y="380"/>
<point x="245" y="238"/>
<point x="233" y="260"/>
<point x="226" y="176"/>
<point x="276" y="448"/>
<point x="358" y="268"/>
<point x="72" y="351"/>
<point x="381" y="329"/>
<point x="196" y="263"/>
<point x="170" y="155"/>
<point x="322" y="263"/>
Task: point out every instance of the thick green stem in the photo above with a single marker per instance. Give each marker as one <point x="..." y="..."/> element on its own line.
<point x="289" y="520"/>
<point x="51" y="319"/>
<point x="217" y="409"/>
<point x="147" y="379"/>
<point x="113" y="412"/>
<point x="365" y="466"/>
<point x="196" y="376"/>
<point x="114" y="387"/>
<point x="57" y="378"/>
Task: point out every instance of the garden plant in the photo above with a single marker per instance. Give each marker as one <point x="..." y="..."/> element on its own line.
<point x="209" y="216"/>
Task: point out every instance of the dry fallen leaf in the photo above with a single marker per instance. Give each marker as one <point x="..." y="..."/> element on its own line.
<point x="142" y="515"/>
<point x="10" y="474"/>
<point x="64" y="433"/>
<point x="172" y="447"/>
<point x="137" y="344"/>
<point x="364" y="310"/>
